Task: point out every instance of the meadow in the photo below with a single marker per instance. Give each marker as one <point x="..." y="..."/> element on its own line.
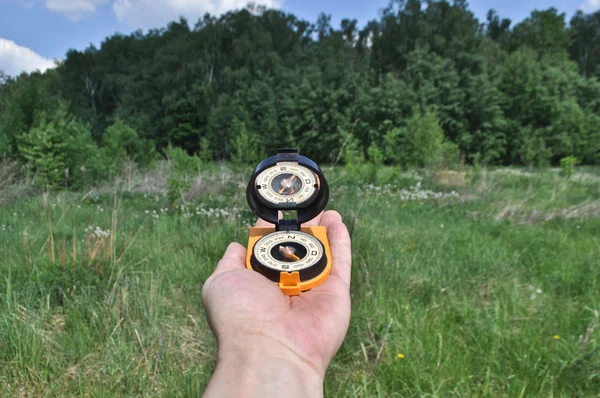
<point x="483" y="283"/>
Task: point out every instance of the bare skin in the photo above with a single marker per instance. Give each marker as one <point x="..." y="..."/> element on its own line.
<point x="272" y="345"/>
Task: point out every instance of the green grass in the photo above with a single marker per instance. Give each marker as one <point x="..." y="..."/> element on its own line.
<point x="450" y="284"/>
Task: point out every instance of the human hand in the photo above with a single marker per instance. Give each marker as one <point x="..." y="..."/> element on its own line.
<point x="266" y="338"/>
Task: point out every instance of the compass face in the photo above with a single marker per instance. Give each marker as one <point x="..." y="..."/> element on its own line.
<point x="287" y="184"/>
<point x="288" y="251"/>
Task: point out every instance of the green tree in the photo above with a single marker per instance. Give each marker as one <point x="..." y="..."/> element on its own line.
<point x="43" y="150"/>
<point x="486" y="131"/>
<point x="544" y="32"/>
<point x="585" y="42"/>
<point x="247" y="149"/>
<point x="500" y="92"/>
<point x="58" y="149"/>
<point x="418" y="143"/>
<point x="121" y="142"/>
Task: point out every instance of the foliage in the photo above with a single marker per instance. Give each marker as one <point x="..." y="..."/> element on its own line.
<point x="182" y="165"/>
<point x="247" y="149"/>
<point x="375" y="155"/>
<point x="567" y="166"/>
<point x="43" y="150"/>
<point x="181" y="162"/>
<point x="121" y="142"/>
<point x="58" y="150"/>
<point x="353" y="153"/>
<point x="205" y="154"/>
<point x="418" y="143"/>
<point x="448" y="156"/>
<point x="249" y="81"/>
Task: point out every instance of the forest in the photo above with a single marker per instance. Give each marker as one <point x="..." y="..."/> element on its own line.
<point x="427" y="82"/>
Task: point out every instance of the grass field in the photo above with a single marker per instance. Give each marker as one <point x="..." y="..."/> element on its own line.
<point x="488" y="286"/>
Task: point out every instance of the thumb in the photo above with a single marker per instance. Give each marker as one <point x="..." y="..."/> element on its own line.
<point x="234" y="258"/>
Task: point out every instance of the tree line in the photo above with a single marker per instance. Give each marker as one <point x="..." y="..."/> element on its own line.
<point x="425" y="77"/>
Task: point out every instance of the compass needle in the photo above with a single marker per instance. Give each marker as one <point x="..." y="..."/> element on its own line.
<point x="288" y="252"/>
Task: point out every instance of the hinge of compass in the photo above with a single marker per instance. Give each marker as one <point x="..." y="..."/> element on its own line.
<point x="288" y="225"/>
<point x="287" y="155"/>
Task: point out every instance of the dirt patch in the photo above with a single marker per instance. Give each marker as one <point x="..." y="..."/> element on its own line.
<point x="517" y="214"/>
<point x="202" y="185"/>
<point x="13" y="183"/>
<point x="451" y="178"/>
<point x="584" y="177"/>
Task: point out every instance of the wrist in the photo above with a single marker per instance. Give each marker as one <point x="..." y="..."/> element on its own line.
<point x="258" y="366"/>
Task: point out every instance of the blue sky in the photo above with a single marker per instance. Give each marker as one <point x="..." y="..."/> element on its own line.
<point x="34" y="32"/>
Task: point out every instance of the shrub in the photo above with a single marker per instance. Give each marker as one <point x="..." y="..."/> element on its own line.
<point x="121" y="142"/>
<point x="206" y="155"/>
<point x="246" y="146"/>
<point x="375" y="155"/>
<point x="567" y="166"/>
<point x="449" y="156"/>
<point x="58" y="149"/>
<point x="353" y="153"/>
<point x="181" y="164"/>
<point x="43" y="151"/>
<point x="533" y="150"/>
<point x="376" y="159"/>
<point x="418" y="143"/>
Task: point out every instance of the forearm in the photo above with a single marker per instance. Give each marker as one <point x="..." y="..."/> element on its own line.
<point x="259" y="369"/>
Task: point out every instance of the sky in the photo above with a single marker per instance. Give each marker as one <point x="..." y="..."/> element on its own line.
<point x="36" y="33"/>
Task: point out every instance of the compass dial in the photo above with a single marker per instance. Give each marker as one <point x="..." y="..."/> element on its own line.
<point x="287" y="183"/>
<point x="289" y="251"/>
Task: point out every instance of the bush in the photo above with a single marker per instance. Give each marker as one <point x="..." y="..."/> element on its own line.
<point x="206" y="155"/>
<point x="376" y="159"/>
<point x="418" y="143"/>
<point x="375" y="155"/>
<point x="567" y="166"/>
<point x="449" y="156"/>
<point x="533" y="150"/>
<point x="181" y="164"/>
<point x="121" y="142"/>
<point x="58" y="150"/>
<point x="247" y="149"/>
<point x="44" y="152"/>
<point x="353" y="153"/>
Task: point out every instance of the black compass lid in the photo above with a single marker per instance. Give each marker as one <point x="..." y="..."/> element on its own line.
<point x="268" y="210"/>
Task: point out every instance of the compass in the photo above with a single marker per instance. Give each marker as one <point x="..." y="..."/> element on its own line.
<point x="287" y="251"/>
<point x="295" y="257"/>
<point x="288" y="185"/>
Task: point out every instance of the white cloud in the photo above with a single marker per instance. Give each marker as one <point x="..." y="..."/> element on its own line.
<point x="147" y="13"/>
<point x="157" y="13"/>
<point x="590" y="5"/>
<point x="15" y="59"/>
<point x="73" y="9"/>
